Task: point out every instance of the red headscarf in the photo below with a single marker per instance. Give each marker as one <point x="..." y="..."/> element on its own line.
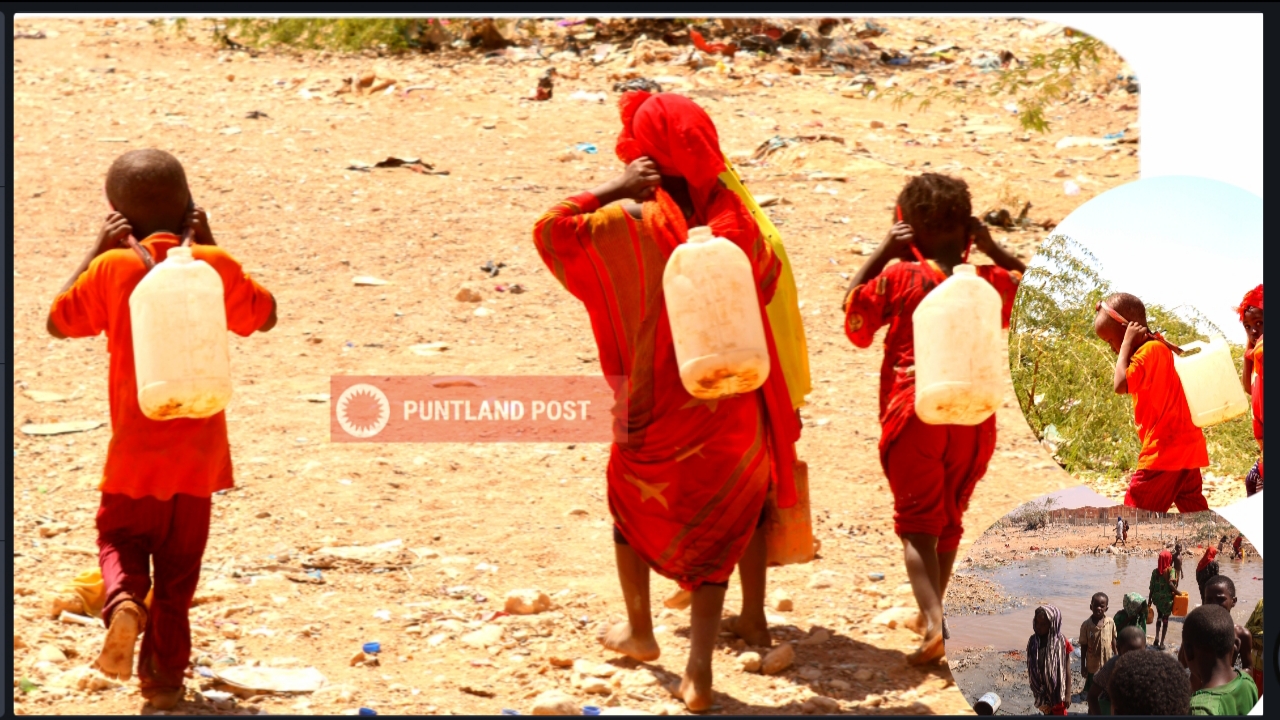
<point x="680" y="138"/>
<point x="1209" y="555"/>
<point x="1164" y="562"/>
<point x="1253" y="298"/>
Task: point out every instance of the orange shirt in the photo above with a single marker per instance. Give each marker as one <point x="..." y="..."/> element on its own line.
<point x="1169" y="440"/>
<point x="156" y="458"/>
<point x="1256" y="354"/>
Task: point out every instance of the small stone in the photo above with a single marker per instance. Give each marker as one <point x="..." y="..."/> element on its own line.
<point x="560" y="662"/>
<point x="821" y="580"/>
<point x="554" y="702"/>
<point x="876" y="124"/>
<point x="895" y="617"/>
<point x="809" y="673"/>
<point x="527" y="602"/>
<point x="466" y="294"/>
<point x="749" y="662"/>
<point x="54" y="529"/>
<point x="778" y="659"/>
<point x="863" y="675"/>
<point x="19" y="643"/>
<point x="839" y="685"/>
<point x="231" y="631"/>
<point x="819" y="705"/>
<point x="595" y="686"/>
<point x="781" y="601"/>
<point x="50" y="653"/>
<point x="586" y="668"/>
<point x="484" y="637"/>
<point x="817" y="637"/>
<point x="577" y="512"/>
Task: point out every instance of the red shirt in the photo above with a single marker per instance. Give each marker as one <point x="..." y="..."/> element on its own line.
<point x="156" y="458"/>
<point x="1170" y="441"/>
<point x="890" y="299"/>
<point x="1256" y="354"/>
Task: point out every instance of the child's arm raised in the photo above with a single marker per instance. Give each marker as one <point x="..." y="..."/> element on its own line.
<point x="983" y="241"/>
<point x="1134" y="337"/>
<point x="897" y="244"/>
<point x="114" y="229"/>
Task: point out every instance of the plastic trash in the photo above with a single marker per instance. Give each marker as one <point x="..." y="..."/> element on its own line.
<point x="987" y="704"/>
<point x="1113" y="136"/>
<point x="588" y="148"/>
<point x="509" y="711"/>
<point x="590" y="710"/>
<point x="1070" y="188"/>
<point x="877" y="576"/>
<point x="367" y="712"/>
<point x="372" y="648"/>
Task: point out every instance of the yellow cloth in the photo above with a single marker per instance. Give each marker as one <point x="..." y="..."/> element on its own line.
<point x="784" y="309"/>
<point x="92" y="591"/>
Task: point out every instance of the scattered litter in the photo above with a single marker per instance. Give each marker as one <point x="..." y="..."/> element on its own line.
<point x="61" y="428"/>
<point x="492" y="268"/>
<point x="31" y="35"/>
<point x="369" y="280"/>
<point x="256" y="115"/>
<point x="428" y="349"/>
<point x="545" y="86"/>
<point x="1070" y="188"/>
<point x="230" y="131"/>
<point x="585" y="96"/>
<point x="588" y="148"/>
<point x="1071" y="142"/>
<point x="415" y="164"/>
<point x="372" y="648"/>
<point x="271" y="679"/>
<point x="637" y="84"/>
<point x="876" y="576"/>
<point x="315" y="397"/>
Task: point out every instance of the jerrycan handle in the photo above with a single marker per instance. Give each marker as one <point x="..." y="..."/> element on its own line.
<point x="699" y="234"/>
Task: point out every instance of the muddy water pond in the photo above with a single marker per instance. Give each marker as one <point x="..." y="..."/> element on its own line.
<point x="1069" y="583"/>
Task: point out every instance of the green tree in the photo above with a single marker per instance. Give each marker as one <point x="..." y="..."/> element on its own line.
<point x="1062" y="371"/>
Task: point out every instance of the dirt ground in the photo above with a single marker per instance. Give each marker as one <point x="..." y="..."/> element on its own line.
<point x="282" y="200"/>
<point x="1004" y="545"/>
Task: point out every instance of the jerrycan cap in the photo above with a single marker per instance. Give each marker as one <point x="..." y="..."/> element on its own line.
<point x="961" y="269"/>
<point x="181" y="255"/>
<point x="700" y="234"/>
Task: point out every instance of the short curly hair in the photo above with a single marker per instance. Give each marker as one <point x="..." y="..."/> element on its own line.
<point x="1210" y="630"/>
<point x="1149" y="682"/>
<point x="936" y="203"/>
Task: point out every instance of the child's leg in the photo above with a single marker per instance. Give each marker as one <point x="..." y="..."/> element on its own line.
<point x="921" y="554"/>
<point x="752" y="569"/>
<point x="166" y="645"/>
<point x="126" y="534"/>
<point x="695" y="687"/>
<point x="1190" y="497"/>
<point x="633" y="638"/>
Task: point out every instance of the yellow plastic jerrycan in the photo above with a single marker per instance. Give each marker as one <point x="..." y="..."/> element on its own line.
<point x="714" y="311"/>
<point x="788" y="533"/>
<point x="1211" y="382"/>
<point x="180" y="350"/>
<point x="960" y="351"/>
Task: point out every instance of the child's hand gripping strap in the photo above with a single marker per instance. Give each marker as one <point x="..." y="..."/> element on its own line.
<point x="187" y="237"/>
<point x="1125" y="323"/>
<point x="942" y="277"/>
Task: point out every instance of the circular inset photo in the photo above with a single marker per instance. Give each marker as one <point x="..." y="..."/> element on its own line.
<point x="1136" y="344"/>
<point x="1073" y="604"/>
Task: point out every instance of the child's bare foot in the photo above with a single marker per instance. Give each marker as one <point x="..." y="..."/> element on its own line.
<point x="116" y="659"/>
<point x="680" y="600"/>
<point x="754" y="630"/>
<point x="930" y="651"/>
<point x="695" y="690"/>
<point x="918" y="624"/>
<point x="621" y="639"/>
<point x="165" y="699"/>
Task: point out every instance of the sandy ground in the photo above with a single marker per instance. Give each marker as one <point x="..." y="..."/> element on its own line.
<point x="282" y="200"/>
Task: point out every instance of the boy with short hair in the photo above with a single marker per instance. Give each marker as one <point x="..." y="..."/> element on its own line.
<point x="1220" y="590"/>
<point x="1128" y="640"/>
<point x="1097" y="638"/>
<point x="159" y="475"/>
<point x="1149" y="683"/>
<point x="932" y="469"/>
<point x="1217" y="688"/>
<point x="1173" y="448"/>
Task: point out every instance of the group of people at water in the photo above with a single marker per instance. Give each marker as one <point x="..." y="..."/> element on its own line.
<point x="1217" y="670"/>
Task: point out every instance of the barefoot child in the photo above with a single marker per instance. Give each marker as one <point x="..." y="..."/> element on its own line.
<point x="1163" y="588"/>
<point x="1173" y="449"/>
<point x="1049" y="662"/>
<point x="1251" y="375"/>
<point x="1217" y="688"/>
<point x="932" y="469"/>
<point x="1097" y="639"/>
<point x="687" y="485"/>
<point x="159" y="475"/>
<point x="1128" y="640"/>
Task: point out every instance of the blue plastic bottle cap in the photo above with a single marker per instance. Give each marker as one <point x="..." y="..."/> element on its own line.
<point x="509" y="711"/>
<point x="590" y="710"/>
<point x="372" y="648"/>
<point x="876" y="576"/>
<point x="368" y="712"/>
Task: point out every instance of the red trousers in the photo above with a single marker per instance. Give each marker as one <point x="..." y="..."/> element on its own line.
<point x="133" y="536"/>
<point x="932" y="470"/>
<point x="1159" y="490"/>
